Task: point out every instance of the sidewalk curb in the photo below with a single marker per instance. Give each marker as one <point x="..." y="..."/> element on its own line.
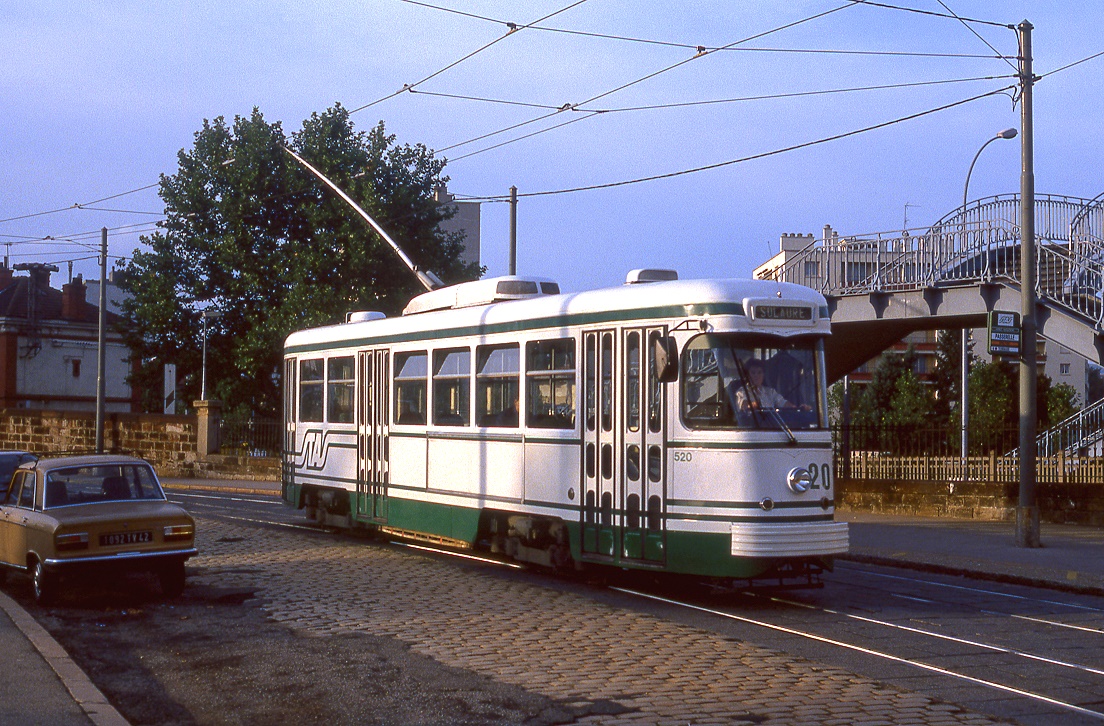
<point x="272" y="492"/>
<point x="93" y="702"/>
<point x="973" y="574"/>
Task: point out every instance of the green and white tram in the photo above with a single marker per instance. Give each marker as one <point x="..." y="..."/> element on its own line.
<point x="669" y="425"/>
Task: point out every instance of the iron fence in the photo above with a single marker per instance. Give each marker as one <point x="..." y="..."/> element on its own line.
<point x="250" y="437"/>
<point x="905" y="453"/>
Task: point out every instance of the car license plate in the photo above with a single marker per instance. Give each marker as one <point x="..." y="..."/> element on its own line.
<point x="125" y="538"/>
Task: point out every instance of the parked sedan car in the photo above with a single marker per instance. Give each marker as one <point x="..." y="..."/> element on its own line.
<point x="9" y="460"/>
<point x="94" y="513"/>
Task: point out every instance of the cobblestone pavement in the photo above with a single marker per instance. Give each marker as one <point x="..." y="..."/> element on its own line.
<point x="617" y="666"/>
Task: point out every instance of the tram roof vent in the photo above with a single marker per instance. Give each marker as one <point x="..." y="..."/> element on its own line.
<point x="363" y="316"/>
<point x="482" y="292"/>
<point x="649" y="275"/>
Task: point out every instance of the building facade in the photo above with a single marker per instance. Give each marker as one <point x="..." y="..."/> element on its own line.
<point x="49" y="345"/>
<point x="466" y="220"/>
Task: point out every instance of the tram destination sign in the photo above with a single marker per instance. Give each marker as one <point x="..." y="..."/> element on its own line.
<point x="783" y="312"/>
<point x="1004" y="333"/>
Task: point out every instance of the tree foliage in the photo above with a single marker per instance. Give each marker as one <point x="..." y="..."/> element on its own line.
<point x="895" y="396"/>
<point x="252" y="234"/>
<point x="947" y="376"/>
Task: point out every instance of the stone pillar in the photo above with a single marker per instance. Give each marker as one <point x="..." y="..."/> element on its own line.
<point x="208" y="418"/>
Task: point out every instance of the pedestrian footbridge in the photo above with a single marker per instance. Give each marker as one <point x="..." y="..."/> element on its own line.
<point x="882" y="287"/>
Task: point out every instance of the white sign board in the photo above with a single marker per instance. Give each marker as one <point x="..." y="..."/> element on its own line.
<point x="170" y="388"/>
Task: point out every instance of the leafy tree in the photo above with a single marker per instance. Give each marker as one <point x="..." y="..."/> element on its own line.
<point x="994" y="408"/>
<point x="947" y="376"/>
<point x="995" y="405"/>
<point x="253" y="235"/>
<point x="1061" y="401"/>
<point x="910" y="403"/>
<point x="876" y="399"/>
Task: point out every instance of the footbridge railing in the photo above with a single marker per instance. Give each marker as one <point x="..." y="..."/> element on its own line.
<point x="978" y="243"/>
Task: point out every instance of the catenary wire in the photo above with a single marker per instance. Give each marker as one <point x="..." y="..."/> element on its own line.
<point x="978" y="35"/>
<point x="762" y="155"/>
<point x="475" y="52"/>
<point x="1071" y="65"/>
<point x="918" y="11"/>
<point x="649" y="76"/>
<point x="738" y="99"/>
<point x="79" y="206"/>
<point x="692" y="46"/>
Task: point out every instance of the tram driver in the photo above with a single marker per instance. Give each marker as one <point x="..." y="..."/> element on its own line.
<point x="752" y="394"/>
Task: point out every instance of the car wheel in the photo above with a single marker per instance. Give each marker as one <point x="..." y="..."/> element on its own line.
<point x="172" y="579"/>
<point x="45" y="584"/>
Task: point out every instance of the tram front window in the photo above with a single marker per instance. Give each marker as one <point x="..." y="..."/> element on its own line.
<point x="742" y="381"/>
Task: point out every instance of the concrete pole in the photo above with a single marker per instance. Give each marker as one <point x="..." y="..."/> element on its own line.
<point x="100" y="344"/>
<point x="513" y="231"/>
<point x="1027" y="513"/>
<point x="203" y="368"/>
<point x="845" y="434"/>
<point x="965" y="403"/>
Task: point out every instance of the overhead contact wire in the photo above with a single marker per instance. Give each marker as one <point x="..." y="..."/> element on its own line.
<point x="475" y="52"/>
<point x="764" y="154"/>
<point x="690" y="46"/>
<point x="649" y="76"/>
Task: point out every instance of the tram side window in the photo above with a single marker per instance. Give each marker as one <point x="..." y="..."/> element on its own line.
<point x="451" y="387"/>
<point x="340" y="384"/>
<point x="497" y="385"/>
<point x="410" y="387"/>
<point x="550" y="379"/>
<point x="312" y="380"/>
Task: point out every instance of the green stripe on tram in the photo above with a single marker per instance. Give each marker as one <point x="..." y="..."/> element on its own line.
<point x="516" y="326"/>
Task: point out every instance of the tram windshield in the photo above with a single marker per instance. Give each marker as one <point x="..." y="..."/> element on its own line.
<point x="741" y="381"/>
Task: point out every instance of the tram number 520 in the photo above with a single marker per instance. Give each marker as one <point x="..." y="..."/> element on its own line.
<point x="821" y="476"/>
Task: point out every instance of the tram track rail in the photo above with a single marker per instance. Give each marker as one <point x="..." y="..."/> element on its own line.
<point x="938" y="626"/>
<point x="1005" y="688"/>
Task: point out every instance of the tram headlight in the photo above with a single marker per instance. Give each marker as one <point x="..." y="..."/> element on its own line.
<point x="799" y="480"/>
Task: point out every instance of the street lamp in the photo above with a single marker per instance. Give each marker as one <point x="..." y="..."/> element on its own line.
<point x="206" y="315"/>
<point x="964" y="406"/>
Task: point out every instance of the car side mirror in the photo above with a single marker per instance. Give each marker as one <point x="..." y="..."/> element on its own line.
<point x="665" y="355"/>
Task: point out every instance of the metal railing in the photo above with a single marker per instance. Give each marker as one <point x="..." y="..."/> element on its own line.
<point x="250" y="437"/>
<point x="975" y="244"/>
<point x="933" y="454"/>
<point x="1081" y="432"/>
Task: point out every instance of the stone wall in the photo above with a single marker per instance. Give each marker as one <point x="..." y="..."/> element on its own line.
<point x="168" y="442"/>
<point x="1073" y="503"/>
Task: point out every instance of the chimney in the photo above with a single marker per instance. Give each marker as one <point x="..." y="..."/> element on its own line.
<point x="73" y="303"/>
<point x="39" y="272"/>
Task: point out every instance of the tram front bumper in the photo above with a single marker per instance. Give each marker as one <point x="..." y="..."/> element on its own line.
<point x="791" y="539"/>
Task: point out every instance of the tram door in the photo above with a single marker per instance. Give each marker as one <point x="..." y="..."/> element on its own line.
<point x="601" y="494"/>
<point x="372" y="409"/>
<point x="290" y="389"/>
<point x="643" y="431"/>
<point x="624" y="450"/>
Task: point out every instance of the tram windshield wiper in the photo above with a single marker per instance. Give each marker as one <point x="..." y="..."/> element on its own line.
<point x="753" y="395"/>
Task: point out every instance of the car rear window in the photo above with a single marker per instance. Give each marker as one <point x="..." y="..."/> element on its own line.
<point x="104" y="483"/>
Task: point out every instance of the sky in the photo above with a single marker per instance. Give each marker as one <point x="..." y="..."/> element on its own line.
<point x="100" y="97"/>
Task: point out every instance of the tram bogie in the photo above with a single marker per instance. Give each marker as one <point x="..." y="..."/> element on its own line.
<point x="672" y="426"/>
